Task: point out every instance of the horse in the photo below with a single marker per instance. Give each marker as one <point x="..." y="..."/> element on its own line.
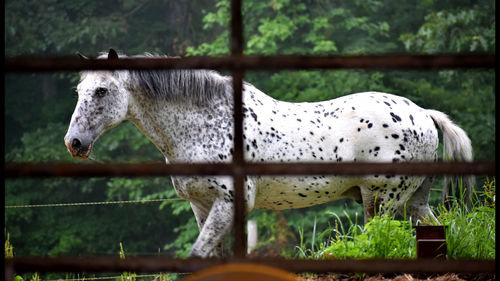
<point x="188" y="115"/>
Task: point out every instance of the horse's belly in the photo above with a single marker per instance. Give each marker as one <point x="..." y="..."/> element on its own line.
<point x="278" y="193"/>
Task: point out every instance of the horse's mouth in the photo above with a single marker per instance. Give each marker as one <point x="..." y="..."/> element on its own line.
<point x="82" y="152"/>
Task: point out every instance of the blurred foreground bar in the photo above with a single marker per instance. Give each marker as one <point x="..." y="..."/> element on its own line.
<point x="44" y="170"/>
<point x="238" y="62"/>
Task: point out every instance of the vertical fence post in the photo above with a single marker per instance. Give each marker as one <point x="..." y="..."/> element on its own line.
<point x="240" y="244"/>
<point x="9" y="271"/>
<point x="431" y="241"/>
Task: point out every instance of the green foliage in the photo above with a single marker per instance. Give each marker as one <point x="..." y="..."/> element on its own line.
<point x="285" y="27"/>
<point x="455" y="30"/>
<point x="24" y="37"/>
<point x="187" y="234"/>
<point x="382" y="237"/>
<point x="470" y="234"/>
<point x="65" y="27"/>
<point x="300" y="86"/>
<point x="38" y="146"/>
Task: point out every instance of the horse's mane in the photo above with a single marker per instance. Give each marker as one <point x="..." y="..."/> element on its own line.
<point x="199" y="86"/>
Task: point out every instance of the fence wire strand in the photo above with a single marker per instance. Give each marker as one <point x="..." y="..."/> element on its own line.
<point x="92" y="203"/>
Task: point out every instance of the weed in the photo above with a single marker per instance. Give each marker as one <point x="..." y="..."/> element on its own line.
<point x="126" y="276"/>
<point x="36" y="277"/>
<point x="9" y="249"/>
<point x="122" y="252"/>
<point x="471" y="233"/>
<point x="316" y="247"/>
<point x="382" y="237"/>
<point x="9" y="254"/>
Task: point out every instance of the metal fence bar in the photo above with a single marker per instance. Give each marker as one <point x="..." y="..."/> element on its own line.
<point x="161" y="264"/>
<point x="46" y="170"/>
<point x="240" y="244"/>
<point x="238" y="62"/>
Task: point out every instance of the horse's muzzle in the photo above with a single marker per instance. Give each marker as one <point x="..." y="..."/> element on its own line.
<point x="77" y="149"/>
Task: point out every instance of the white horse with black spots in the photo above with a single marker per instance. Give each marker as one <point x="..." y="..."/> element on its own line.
<point x="188" y="115"/>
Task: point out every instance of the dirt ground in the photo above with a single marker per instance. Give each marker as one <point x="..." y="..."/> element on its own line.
<point x="402" y="277"/>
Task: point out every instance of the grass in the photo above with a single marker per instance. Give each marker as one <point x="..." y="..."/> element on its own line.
<point x="9" y="249"/>
<point x="470" y="234"/>
<point x="382" y="237"/>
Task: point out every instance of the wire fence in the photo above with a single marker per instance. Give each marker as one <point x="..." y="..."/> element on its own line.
<point x="92" y="203"/>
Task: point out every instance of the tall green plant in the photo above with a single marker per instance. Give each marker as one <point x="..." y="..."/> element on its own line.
<point x="470" y="233"/>
<point x="382" y="237"/>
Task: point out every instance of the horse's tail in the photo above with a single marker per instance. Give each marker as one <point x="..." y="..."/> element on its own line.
<point x="456" y="147"/>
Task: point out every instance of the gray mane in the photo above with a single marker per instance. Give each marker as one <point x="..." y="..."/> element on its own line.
<point x="199" y="86"/>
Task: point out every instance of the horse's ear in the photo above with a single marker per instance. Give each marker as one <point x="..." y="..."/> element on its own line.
<point x="82" y="56"/>
<point x="112" y="54"/>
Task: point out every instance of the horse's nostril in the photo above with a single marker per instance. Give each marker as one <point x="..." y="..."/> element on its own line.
<point x="75" y="143"/>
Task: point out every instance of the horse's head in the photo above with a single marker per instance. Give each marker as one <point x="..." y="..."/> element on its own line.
<point x="102" y="104"/>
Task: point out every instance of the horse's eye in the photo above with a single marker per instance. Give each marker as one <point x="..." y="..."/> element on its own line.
<point x="100" y="92"/>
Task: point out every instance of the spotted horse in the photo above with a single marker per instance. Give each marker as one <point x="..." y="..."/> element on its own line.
<point x="188" y="115"/>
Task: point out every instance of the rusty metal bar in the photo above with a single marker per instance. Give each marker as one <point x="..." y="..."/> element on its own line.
<point x="431" y="241"/>
<point x="240" y="238"/>
<point x="161" y="264"/>
<point x="236" y="28"/>
<point x="238" y="153"/>
<point x="240" y="244"/>
<point x="9" y="272"/>
<point x="238" y="62"/>
<point x="45" y="170"/>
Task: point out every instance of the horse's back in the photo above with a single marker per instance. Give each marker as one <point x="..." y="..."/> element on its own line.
<point x="363" y="127"/>
<point x="368" y="126"/>
<point x="387" y="128"/>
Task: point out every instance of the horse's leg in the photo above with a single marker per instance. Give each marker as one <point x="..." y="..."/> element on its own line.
<point x="217" y="224"/>
<point x="369" y="203"/>
<point x="374" y="203"/>
<point x="417" y="205"/>
<point x="201" y="215"/>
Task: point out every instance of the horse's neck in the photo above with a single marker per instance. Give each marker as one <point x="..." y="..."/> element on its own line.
<point x="174" y="126"/>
